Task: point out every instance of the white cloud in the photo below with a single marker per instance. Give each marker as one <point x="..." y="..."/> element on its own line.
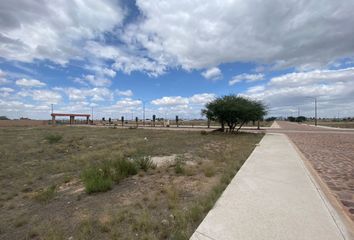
<point x="53" y="30"/>
<point x="334" y="90"/>
<point x="213" y="73"/>
<point x="187" y="34"/>
<point x="93" y="94"/>
<point x="5" y="92"/>
<point x="197" y="99"/>
<point x="93" y="80"/>
<point x="128" y="103"/>
<point x="125" y="93"/>
<point x="316" y="76"/>
<point x="29" y="83"/>
<point x="125" y="61"/>
<point x="197" y="34"/>
<point x="170" y="101"/>
<point x="108" y="72"/>
<point x="246" y="77"/>
<point x="3" y="80"/>
<point x="47" y="96"/>
<point x="202" y="98"/>
<point x="255" y="89"/>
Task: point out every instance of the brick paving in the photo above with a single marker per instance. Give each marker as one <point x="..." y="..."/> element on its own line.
<point x="331" y="154"/>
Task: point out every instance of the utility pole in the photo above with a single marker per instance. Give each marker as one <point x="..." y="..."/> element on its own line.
<point x="52" y="107"/>
<point x="143" y="101"/>
<point x="143" y="113"/>
<point x="315" y="111"/>
<point x="92" y="114"/>
<point x="315" y="98"/>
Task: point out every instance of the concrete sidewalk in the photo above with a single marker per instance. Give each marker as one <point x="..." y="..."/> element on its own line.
<point x="273" y="196"/>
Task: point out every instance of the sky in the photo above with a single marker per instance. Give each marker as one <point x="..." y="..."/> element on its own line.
<point x="113" y="57"/>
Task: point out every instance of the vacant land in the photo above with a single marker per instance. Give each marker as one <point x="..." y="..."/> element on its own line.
<point x="337" y="124"/>
<point x="43" y="196"/>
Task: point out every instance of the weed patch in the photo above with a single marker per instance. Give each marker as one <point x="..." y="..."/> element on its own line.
<point x="100" y="178"/>
<point x="123" y="168"/>
<point x="179" y="165"/>
<point x="96" y="180"/>
<point x="145" y="163"/>
<point x="45" y="195"/>
<point x="53" y="138"/>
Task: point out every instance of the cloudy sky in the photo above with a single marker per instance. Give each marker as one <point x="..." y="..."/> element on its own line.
<point x="174" y="56"/>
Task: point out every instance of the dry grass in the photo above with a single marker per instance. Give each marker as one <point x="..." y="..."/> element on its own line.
<point x="42" y="195"/>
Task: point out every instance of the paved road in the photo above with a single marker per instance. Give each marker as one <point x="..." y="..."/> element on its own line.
<point x="331" y="153"/>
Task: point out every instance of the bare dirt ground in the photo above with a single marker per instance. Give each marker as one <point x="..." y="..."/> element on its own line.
<point x="42" y="195"/>
<point x="332" y="155"/>
<point x="22" y="123"/>
<point x="336" y="124"/>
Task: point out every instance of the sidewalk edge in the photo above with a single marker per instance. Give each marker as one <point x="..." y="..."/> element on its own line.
<point x="335" y="208"/>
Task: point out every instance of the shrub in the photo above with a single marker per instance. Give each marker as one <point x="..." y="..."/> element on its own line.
<point x="53" y="138"/>
<point x="203" y="132"/>
<point x="123" y="168"/>
<point x="100" y="178"/>
<point x="145" y="163"/>
<point x="179" y="166"/>
<point x="96" y="180"/>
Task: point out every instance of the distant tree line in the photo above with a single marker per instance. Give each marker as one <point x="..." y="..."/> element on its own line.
<point x="297" y="119"/>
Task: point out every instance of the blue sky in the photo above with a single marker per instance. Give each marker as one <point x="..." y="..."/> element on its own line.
<point x="174" y="56"/>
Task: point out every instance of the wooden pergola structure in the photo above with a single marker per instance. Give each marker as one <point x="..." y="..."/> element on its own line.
<point x="71" y="115"/>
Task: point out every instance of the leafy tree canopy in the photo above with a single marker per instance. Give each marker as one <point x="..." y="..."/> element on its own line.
<point x="233" y="110"/>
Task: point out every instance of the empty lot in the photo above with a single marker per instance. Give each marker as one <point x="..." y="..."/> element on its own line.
<point x="43" y="196"/>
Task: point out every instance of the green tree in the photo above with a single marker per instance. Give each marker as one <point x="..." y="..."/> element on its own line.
<point x="233" y="111"/>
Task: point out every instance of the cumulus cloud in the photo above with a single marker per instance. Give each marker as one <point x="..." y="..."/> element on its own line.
<point x="213" y="73"/>
<point x="93" y="94"/>
<point x="29" y="83"/>
<point x="93" y="80"/>
<point x="316" y="76"/>
<point x="202" y="98"/>
<point x="5" y="92"/>
<point x="187" y="34"/>
<point x="246" y="77"/>
<point x="3" y="80"/>
<point x="125" y="61"/>
<point x="170" y="101"/>
<point x="128" y="103"/>
<point x="200" y="34"/>
<point x="53" y="30"/>
<point x="198" y="99"/>
<point x="124" y="93"/>
<point x="334" y="90"/>
<point x="47" y="96"/>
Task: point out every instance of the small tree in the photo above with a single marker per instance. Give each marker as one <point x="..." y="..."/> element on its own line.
<point x="122" y="119"/>
<point x="177" y="121"/>
<point x="233" y="110"/>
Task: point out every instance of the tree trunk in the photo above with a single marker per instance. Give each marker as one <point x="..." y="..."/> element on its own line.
<point x="222" y="126"/>
<point x="240" y="126"/>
